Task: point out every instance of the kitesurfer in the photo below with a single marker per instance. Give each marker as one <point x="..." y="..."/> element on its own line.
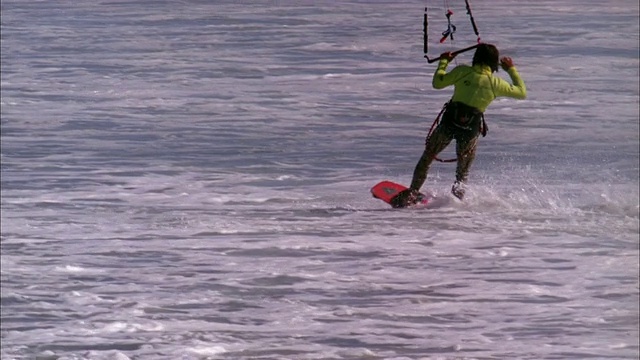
<point x="475" y="87"/>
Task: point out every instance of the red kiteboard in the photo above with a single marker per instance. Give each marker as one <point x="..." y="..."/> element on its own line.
<point x="387" y="190"/>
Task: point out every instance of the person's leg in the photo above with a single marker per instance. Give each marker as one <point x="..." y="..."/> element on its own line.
<point x="466" y="153"/>
<point x="437" y="142"/>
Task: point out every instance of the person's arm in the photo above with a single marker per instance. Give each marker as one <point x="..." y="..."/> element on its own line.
<point x="442" y="79"/>
<point x="502" y="88"/>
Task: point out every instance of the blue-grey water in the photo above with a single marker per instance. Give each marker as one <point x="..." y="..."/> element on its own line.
<point x="190" y="180"/>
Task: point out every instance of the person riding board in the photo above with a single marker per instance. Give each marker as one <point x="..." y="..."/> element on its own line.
<point x="475" y="87"/>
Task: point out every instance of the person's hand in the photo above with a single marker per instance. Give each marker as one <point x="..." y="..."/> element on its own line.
<point x="506" y="63"/>
<point x="448" y="55"/>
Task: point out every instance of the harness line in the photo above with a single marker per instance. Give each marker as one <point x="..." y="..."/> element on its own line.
<point x="473" y="22"/>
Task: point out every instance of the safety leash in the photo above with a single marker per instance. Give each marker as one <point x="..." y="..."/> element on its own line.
<point x="483" y="132"/>
<point x="451" y="29"/>
<point x="433" y="126"/>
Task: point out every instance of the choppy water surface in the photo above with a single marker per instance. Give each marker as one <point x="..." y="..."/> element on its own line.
<point x="190" y="180"/>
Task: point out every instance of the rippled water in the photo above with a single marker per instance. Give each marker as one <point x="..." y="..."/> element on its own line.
<point x="190" y="180"/>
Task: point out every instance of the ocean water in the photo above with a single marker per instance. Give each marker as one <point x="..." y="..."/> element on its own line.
<point x="190" y="180"/>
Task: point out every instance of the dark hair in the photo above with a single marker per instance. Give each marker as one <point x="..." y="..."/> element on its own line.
<point x="487" y="54"/>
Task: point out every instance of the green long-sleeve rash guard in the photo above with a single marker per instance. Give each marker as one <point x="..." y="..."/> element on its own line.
<point x="476" y="86"/>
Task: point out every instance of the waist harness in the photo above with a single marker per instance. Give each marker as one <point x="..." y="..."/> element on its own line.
<point x="462" y="117"/>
